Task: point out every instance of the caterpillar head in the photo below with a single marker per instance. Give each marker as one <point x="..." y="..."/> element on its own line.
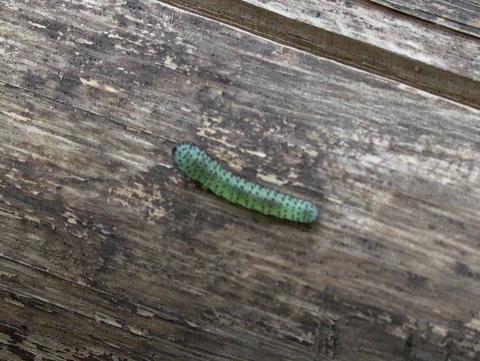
<point x="182" y="151"/>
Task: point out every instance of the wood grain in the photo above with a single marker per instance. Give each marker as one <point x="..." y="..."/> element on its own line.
<point x="460" y="15"/>
<point x="108" y="253"/>
<point x="364" y="35"/>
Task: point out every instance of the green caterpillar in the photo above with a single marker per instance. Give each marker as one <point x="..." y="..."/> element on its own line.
<point x="198" y="165"/>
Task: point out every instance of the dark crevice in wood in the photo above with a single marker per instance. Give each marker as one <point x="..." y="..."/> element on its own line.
<point x="408" y="349"/>
<point x="338" y="47"/>
<point x="454" y="15"/>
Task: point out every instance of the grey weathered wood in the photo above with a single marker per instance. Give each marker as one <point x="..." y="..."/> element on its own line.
<point x="365" y="35"/>
<point x="107" y="253"/>
<point x="461" y="15"/>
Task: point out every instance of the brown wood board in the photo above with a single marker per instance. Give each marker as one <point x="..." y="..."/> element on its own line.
<point x="364" y="35"/>
<point x="107" y="252"/>
<point x="460" y="15"/>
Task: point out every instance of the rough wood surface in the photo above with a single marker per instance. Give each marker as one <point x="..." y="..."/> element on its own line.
<point x="107" y="253"/>
<point x="365" y="35"/>
<point x="461" y="15"/>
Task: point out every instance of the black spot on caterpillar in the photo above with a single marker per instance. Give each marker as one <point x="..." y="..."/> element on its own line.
<point x="198" y="165"/>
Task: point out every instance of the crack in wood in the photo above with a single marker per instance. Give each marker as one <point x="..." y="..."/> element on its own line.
<point x="87" y="111"/>
<point x="408" y="348"/>
<point x="326" y="341"/>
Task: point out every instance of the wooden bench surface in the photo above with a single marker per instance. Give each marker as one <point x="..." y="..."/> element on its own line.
<point x="108" y="253"/>
<point x="461" y="15"/>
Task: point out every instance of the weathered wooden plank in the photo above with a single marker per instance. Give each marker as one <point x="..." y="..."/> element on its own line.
<point x="365" y="35"/>
<point x="99" y="233"/>
<point x="461" y="15"/>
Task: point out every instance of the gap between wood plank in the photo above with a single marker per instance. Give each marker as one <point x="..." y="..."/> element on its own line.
<point x="451" y="14"/>
<point x="341" y="48"/>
